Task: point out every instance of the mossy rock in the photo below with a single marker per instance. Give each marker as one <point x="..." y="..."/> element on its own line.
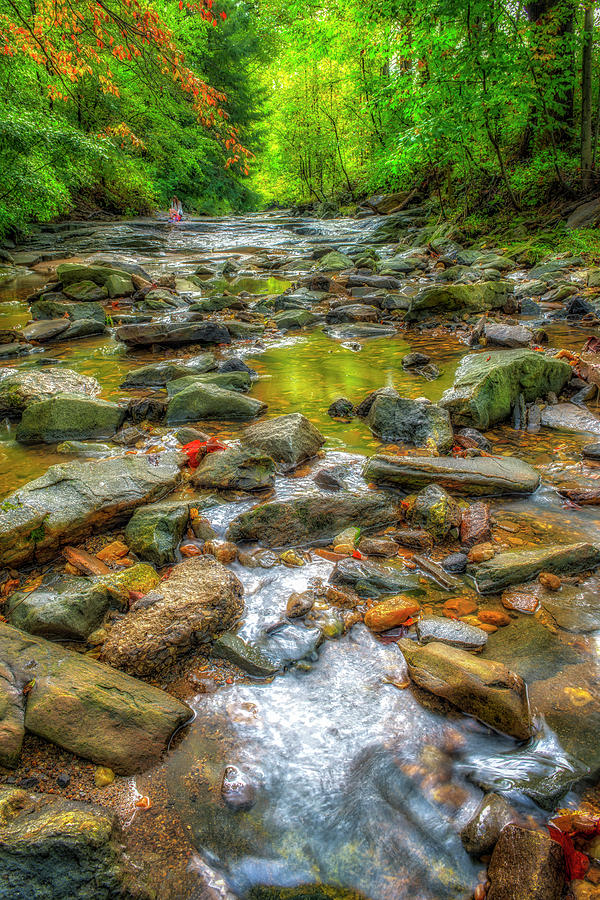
<point x="69" y="417"/>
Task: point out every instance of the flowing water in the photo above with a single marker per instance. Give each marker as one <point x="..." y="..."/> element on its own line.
<point x="360" y="785"/>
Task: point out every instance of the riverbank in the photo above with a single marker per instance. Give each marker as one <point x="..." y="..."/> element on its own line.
<point x="329" y="488"/>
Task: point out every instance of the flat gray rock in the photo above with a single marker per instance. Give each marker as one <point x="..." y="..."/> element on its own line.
<point x="452" y="632"/>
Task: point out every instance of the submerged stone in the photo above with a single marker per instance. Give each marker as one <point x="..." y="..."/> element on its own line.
<point x="481" y="832"/>
<point x="487" y="386"/>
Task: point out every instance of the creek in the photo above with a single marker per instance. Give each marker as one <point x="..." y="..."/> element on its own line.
<point x="362" y="784"/>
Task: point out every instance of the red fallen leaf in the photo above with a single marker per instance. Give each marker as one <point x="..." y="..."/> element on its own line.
<point x="114" y="304"/>
<point x="487" y="359"/>
<point x="143" y="803"/>
<point x="576" y="863"/>
<point x="229" y="681"/>
<point x="409" y="621"/>
<point x="180" y="4"/>
<point x="134" y="596"/>
<point x="195" y="450"/>
<point x="356" y="554"/>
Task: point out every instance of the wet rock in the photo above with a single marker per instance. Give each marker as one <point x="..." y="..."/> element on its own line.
<point x="475" y="524"/>
<point x="341" y="408"/>
<point x="237" y="790"/>
<point x="520" y="601"/>
<point x="470" y="437"/>
<point x="68" y="608"/>
<point x="293" y="318"/>
<point x="481" y="832"/>
<point x="53" y="309"/>
<point x="147" y="409"/>
<point x="507" y="335"/>
<point x="85" y="291"/>
<point x="487" y="386"/>
<point x="538" y="861"/>
<point x="455" y="563"/>
<point x="574" y="608"/>
<point x="414" y="539"/>
<point x="330" y="479"/>
<point x="417" y="422"/>
<point x="335" y="262"/>
<point x="208" y="401"/>
<point x="378" y="547"/>
<point x="160" y="374"/>
<point x="353" y="312"/>
<point x="244" y="654"/>
<point x="390" y="613"/>
<point x="18" y="390"/>
<point x="88" y="708"/>
<point x="117" y="282"/>
<point x="289" y="439"/>
<point x="15" y="348"/>
<point x="154" y="532"/>
<point x="82" y="328"/>
<point x="299" y="604"/>
<point x="187" y="435"/>
<point x="45" y="330"/>
<point x="479" y="687"/>
<point x="230" y="381"/>
<point x="442" y="300"/>
<point x="55" y="848"/>
<point x="452" y="632"/>
<point x="69" y="417"/>
<point x="518" y="566"/>
<point x="415" y="360"/>
<point x="235" y="469"/>
<point x="569" y="417"/>
<point x="198" y="600"/>
<point x="358" y="331"/>
<point x="234" y="364"/>
<point x="493" y="475"/>
<point x="369" y="579"/>
<point x="173" y="333"/>
<point x="73" y="499"/>
<point x="318" y="517"/>
<point x="434" y="510"/>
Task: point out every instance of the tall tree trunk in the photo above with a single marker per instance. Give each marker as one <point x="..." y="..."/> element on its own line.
<point x="586" y="95"/>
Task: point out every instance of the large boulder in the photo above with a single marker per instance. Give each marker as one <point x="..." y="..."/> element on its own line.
<point x="176" y="333"/>
<point x="20" y="389"/>
<point x="208" y="401"/>
<point x="68" y="608"/>
<point x="417" y="422"/>
<point x="236" y="469"/>
<point x="56" y="309"/>
<point x="447" y="299"/>
<point x="87" y="707"/>
<point x="486" y="475"/>
<point x="69" y="417"/>
<point x="487" y="385"/>
<point x="154" y="532"/>
<point x="160" y="374"/>
<point x="314" y="518"/>
<point x="479" y="687"/>
<point x="289" y="439"/>
<point x="57" y="849"/>
<point x="526" y="865"/>
<point x="116" y="281"/>
<point x="76" y="498"/>
<point x="200" y="599"/>
<point x="518" y="566"/>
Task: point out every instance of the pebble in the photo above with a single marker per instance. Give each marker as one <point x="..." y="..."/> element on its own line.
<point x="459" y="606"/>
<point x="291" y="559"/>
<point x="456" y="563"/>
<point x="103" y="776"/>
<point x="493" y="617"/>
<point x="378" y="547"/>
<point x="299" y="604"/>
<point x="390" y="613"/>
<point x="520" y="601"/>
<point x="223" y="552"/>
<point x="480" y="553"/>
<point x="550" y="581"/>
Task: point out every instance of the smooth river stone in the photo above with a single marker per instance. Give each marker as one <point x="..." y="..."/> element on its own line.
<point x="486" y="475"/>
<point x="451" y="632"/>
<point x="569" y="417"/>
<point x="519" y="566"/>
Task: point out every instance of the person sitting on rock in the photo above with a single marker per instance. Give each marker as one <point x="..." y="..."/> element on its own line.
<point x="176" y="210"/>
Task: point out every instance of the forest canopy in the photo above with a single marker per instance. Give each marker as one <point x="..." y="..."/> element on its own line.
<point x="118" y="104"/>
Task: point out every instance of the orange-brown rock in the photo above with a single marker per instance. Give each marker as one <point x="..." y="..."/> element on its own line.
<point x="390" y="613"/>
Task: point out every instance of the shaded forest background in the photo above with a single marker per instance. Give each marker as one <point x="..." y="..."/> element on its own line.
<point x="115" y="105"/>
